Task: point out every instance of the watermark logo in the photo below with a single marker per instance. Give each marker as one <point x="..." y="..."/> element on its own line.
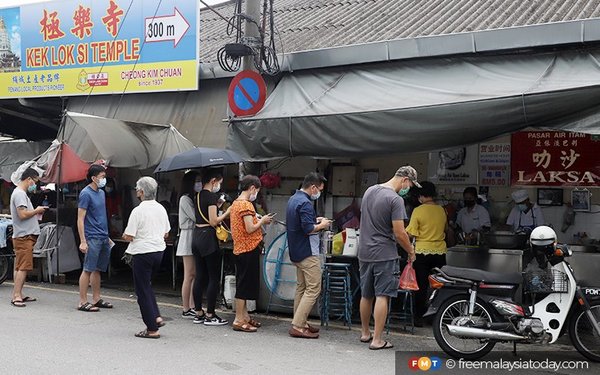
<point x="424" y="363"/>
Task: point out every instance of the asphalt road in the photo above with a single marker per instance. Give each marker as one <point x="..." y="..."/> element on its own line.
<point x="50" y="336"/>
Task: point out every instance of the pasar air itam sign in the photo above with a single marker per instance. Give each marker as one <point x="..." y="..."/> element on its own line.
<point x="553" y="158"/>
<point x="66" y="47"/>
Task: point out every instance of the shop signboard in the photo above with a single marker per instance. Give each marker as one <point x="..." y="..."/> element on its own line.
<point x="454" y="166"/>
<point x="553" y="158"/>
<point x="68" y="48"/>
<point x="494" y="164"/>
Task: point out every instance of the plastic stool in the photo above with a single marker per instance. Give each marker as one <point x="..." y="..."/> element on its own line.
<point x="406" y="315"/>
<point x="336" y="297"/>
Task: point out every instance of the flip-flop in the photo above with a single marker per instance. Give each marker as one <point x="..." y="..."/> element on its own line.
<point x="102" y="304"/>
<point x="366" y="340"/>
<point x="16" y="303"/>
<point x="386" y="345"/>
<point x="29" y="299"/>
<point x="88" y="307"/>
<point x="161" y="323"/>
<point x="145" y="335"/>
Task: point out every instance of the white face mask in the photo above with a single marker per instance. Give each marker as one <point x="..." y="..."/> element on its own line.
<point x="198" y="187"/>
<point x="216" y="188"/>
<point x="253" y="197"/>
<point x="314" y="197"/>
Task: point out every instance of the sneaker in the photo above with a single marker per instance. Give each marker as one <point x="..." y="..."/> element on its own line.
<point x="188" y="314"/>
<point x="215" y="321"/>
<point x="199" y="319"/>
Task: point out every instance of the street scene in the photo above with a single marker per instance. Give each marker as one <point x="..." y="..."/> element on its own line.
<point x="300" y="186"/>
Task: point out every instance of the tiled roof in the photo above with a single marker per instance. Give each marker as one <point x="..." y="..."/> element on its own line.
<point x="313" y="24"/>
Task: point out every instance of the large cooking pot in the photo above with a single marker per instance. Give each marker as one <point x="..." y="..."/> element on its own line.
<point x="505" y="240"/>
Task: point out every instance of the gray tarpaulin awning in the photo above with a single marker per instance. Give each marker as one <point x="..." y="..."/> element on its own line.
<point x="421" y="105"/>
<point x="123" y="144"/>
<point x="14" y="153"/>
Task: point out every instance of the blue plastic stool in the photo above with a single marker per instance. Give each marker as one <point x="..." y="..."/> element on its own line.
<point x="406" y="314"/>
<point x="336" y="297"/>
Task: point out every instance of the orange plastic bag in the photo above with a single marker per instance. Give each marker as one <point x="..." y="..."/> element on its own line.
<point x="408" y="278"/>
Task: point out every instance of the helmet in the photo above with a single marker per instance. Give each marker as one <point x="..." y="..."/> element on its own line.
<point x="542" y="236"/>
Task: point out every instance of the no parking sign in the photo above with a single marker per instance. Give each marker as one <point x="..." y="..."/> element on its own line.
<point x="247" y="93"/>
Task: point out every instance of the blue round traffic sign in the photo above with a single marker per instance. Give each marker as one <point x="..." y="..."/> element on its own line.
<point x="247" y="93"/>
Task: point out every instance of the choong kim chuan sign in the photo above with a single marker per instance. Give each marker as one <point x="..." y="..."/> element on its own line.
<point x="67" y="48"/>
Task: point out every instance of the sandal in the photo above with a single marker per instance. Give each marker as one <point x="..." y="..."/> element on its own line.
<point x="145" y="335"/>
<point x="17" y="303"/>
<point x="367" y="340"/>
<point x="102" y="304"/>
<point x="244" y="327"/>
<point x="253" y="322"/>
<point x="29" y="299"/>
<point x="386" y="345"/>
<point x="88" y="307"/>
<point x="161" y="324"/>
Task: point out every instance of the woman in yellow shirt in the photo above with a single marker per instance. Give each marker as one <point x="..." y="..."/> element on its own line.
<point x="428" y="226"/>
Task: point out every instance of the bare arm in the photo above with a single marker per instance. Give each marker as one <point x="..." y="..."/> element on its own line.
<point x="213" y="218"/>
<point x="403" y="239"/>
<point x="24" y="213"/>
<point x="251" y="227"/>
<point x="80" y="218"/>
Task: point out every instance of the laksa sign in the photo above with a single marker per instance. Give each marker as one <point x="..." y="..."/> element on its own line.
<point x="552" y="158"/>
<point x="67" y="47"/>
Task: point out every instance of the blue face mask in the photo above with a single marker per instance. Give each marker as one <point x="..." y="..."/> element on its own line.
<point x="32" y="188"/>
<point x="522" y="207"/>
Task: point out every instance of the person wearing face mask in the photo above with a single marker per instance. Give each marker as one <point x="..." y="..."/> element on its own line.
<point x="473" y="217"/>
<point x="302" y="224"/>
<point x="205" y="247"/>
<point x="247" y="246"/>
<point x="428" y="226"/>
<point x="381" y="227"/>
<point x="524" y="216"/>
<point x="92" y="224"/>
<point x="190" y="186"/>
<point x="26" y="230"/>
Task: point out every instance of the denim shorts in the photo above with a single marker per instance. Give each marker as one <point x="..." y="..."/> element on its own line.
<point x="97" y="256"/>
<point x="379" y="278"/>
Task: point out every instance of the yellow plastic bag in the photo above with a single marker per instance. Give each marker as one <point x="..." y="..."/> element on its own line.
<point x="337" y="246"/>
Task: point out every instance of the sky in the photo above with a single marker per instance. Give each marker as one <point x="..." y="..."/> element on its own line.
<point x="9" y="3"/>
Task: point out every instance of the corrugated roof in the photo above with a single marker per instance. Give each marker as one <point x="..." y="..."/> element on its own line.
<point x="313" y="24"/>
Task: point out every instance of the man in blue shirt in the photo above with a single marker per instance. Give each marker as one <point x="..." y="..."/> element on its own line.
<point x="92" y="224"/>
<point x="302" y="228"/>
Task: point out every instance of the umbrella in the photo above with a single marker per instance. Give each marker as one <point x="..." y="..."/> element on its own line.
<point x="198" y="157"/>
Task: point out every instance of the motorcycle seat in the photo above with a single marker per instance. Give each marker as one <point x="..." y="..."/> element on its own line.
<point x="484" y="276"/>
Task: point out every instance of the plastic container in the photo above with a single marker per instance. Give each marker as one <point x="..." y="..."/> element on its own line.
<point x="337" y="246"/>
<point x="229" y="290"/>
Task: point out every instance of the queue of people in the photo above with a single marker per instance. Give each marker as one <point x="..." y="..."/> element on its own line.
<point x="383" y="220"/>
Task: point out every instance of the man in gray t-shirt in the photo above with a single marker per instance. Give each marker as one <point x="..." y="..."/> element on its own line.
<point x="381" y="227"/>
<point x="25" y="232"/>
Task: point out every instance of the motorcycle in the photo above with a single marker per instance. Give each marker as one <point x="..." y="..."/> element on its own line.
<point x="476" y="309"/>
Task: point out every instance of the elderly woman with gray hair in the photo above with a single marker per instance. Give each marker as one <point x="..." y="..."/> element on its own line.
<point x="146" y="231"/>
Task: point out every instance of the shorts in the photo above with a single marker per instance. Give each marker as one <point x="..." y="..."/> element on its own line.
<point x="204" y="241"/>
<point x="97" y="257"/>
<point x="23" y="248"/>
<point x="247" y="274"/>
<point x="379" y="278"/>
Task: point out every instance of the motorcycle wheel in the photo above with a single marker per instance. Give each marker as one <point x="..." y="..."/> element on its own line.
<point x="5" y="267"/>
<point x="583" y="335"/>
<point x="467" y="348"/>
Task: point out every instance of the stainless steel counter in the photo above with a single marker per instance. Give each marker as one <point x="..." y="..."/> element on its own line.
<point x="493" y="260"/>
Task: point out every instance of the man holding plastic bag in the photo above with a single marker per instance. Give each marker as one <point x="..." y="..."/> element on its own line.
<point x="382" y="226"/>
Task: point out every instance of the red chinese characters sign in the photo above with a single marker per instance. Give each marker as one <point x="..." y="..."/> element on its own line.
<point x="550" y="158"/>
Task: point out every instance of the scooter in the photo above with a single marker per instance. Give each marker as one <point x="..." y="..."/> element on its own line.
<point x="476" y="309"/>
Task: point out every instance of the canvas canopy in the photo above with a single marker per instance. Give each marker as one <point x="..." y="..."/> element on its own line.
<point x="421" y="105"/>
<point x="122" y="144"/>
<point x="14" y="153"/>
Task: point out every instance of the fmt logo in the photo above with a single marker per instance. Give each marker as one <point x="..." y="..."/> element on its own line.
<point x="424" y="363"/>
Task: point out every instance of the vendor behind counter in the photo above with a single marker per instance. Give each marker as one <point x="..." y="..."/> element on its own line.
<point x="525" y="216"/>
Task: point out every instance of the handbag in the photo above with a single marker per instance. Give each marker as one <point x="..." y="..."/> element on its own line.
<point x="221" y="230"/>
<point x="408" y="278"/>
